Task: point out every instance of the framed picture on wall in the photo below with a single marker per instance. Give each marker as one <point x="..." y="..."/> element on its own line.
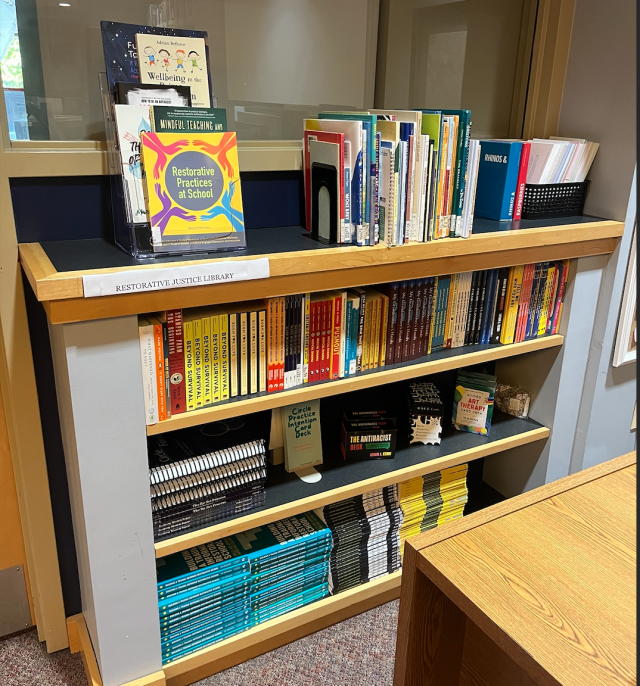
<point x="627" y="336"/>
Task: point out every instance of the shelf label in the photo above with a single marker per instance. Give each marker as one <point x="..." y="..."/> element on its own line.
<point x="162" y="278"/>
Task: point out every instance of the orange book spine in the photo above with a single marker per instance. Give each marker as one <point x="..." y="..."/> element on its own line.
<point x="160" y="377"/>
<point x="272" y="346"/>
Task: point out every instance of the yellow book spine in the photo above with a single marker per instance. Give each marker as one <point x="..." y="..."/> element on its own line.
<point x="233" y="354"/>
<point x="511" y="304"/>
<point x="384" y="330"/>
<point x="215" y="358"/>
<point x="223" y="331"/>
<point x="197" y="359"/>
<point x="253" y="352"/>
<point x="207" y="371"/>
<point x="374" y="346"/>
<point x="544" y="312"/>
<point x="366" y="337"/>
<point x="305" y="342"/>
<point x="262" y="350"/>
<point x="244" y="354"/>
<point x="442" y="172"/>
<point x="189" y="368"/>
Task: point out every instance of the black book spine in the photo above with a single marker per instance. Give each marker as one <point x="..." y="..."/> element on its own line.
<point x="392" y="323"/>
<point x="417" y="314"/>
<point x="503" y="281"/>
<point x="408" y="325"/>
<point x="472" y="294"/>
<point x="361" y="313"/>
<point x="427" y="309"/>
<point x="402" y="318"/>
<point x="481" y="306"/>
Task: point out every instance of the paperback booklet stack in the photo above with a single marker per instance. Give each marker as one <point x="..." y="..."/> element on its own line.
<point x="216" y="590"/>
<point x="390" y="176"/>
<point x="193" y="484"/>
<point x="366" y="543"/>
<point x="432" y="499"/>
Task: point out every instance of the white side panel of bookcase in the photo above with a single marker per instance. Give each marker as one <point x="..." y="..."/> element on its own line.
<point x="99" y="386"/>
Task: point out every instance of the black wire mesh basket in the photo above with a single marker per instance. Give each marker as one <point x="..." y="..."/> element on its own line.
<point x="543" y="201"/>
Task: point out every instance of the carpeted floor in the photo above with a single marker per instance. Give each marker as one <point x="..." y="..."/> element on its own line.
<point x="357" y="652"/>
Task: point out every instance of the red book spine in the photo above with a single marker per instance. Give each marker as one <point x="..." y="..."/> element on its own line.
<point x="176" y="361"/>
<point x="325" y="340"/>
<point x="313" y="334"/>
<point x="522" y="180"/>
<point x="336" y="307"/>
<point x="271" y="343"/>
<point x="523" y="308"/>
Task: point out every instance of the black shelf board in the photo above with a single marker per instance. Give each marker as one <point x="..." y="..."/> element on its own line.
<point x="283" y="488"/>
<point x="98" y="253"/>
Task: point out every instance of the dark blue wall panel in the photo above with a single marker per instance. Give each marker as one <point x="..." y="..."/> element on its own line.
<point x="71" y="208"/>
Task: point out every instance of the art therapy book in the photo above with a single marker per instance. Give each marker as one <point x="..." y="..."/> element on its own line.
<point x="193" y="192"/>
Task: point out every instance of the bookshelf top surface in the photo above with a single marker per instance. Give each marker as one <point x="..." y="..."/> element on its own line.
<point x="55" y="269"/>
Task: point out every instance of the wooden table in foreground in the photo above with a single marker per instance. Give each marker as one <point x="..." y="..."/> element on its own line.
<point x="540" y="589"/>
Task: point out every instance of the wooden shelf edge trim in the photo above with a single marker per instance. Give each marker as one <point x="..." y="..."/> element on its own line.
<point x="324" y="390"/>
<point x="191" y="539"/>
<point x="48" y="284"/>
<point x="282" y="630"/>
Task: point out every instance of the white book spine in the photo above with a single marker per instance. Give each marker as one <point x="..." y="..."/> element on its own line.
<point x="424" y="163"/>
<point x="346" y="227"/>
<point x="148" y="360"/>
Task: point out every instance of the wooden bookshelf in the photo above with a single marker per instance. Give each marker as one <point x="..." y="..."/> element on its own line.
<point x="96" y="358"/>
<point x="287" y="495"/>
<point x="432" y="364"/>
<point x="298" y="264"/>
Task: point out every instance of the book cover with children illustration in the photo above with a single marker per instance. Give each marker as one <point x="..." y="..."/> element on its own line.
<point x="173" y="60"/>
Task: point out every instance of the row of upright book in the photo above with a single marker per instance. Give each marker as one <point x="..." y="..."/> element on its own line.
<point x="194" y="358"/>
<point x="219" y="589"/>
<point x="390" y="176"/>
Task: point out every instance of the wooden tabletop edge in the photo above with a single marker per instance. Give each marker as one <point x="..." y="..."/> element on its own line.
<point x="423" y="541"/>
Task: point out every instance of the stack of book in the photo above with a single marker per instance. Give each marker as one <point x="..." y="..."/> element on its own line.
<point x="198" y="357"/>
<point x="366" y="543"/>
<point x="393" y="176"/>
<point x="216" y="590"/>
<point x="432" y="499"/>
<point x="193" y="483"/>
<point x="507" y="166"/>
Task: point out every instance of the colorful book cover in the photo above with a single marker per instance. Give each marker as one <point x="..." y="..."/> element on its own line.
<point x="188" y="119"/>
<point x="120" y="52"/>
<point x="473" y="402"/>
<point x="193" y="190"/>
<point x="170" y="60"/>
<point x="131" y="122"/>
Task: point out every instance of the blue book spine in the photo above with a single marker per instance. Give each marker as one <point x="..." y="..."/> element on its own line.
<point x="497" y="179"/>
<point x="487" y="313"/>
<point x="356" y="199"/>
<point x="347" y="337"/>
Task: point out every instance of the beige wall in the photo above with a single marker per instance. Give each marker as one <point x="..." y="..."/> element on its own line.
<point x="599" y="100"/>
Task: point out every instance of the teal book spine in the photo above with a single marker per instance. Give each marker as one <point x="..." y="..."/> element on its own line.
<point x="442" y="300"/>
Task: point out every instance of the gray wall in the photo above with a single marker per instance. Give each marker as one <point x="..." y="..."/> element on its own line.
<point x="586" y="402"/>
